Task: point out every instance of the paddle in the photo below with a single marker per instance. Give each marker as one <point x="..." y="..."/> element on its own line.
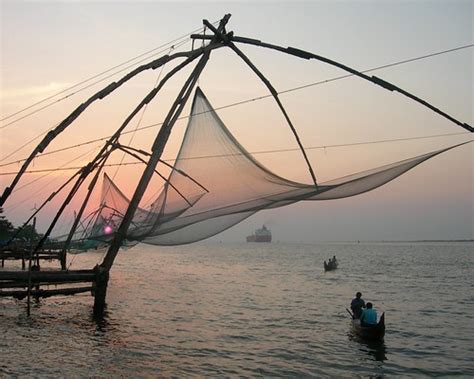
<point x="348" y="311"/>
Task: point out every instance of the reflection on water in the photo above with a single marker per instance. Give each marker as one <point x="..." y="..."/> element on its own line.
<point x="250" y="310"/>
<point x="376" y="349"/>
<point x="101" y="320"/>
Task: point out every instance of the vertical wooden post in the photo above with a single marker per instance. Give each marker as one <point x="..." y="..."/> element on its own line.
<point x="62" y="259"/>
<point x="157" y="150"/>
<point x="28" y="300"/>
<point x="100" y="290"/>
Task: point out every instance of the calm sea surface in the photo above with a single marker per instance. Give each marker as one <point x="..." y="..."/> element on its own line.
<point x="254" y="310"/>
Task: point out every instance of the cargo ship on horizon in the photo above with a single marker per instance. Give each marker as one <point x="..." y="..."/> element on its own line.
<point x="260" y="235"/>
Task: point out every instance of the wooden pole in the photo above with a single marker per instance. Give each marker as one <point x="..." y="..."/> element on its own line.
<point x="157" y="150"/>
<point x="272" y="90"/>
<point x="28" y="300"/>
<point x="77" y="219"/>
<point x="308" y="55"/>
<point x="120" y="234"/>
<point x="85" y="172"/>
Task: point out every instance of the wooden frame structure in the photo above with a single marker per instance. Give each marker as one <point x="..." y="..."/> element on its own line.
<point x="20" y="283"/>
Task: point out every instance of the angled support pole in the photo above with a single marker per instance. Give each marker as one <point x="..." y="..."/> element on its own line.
<point x="78" y="217"/>
<point x="84" y="174"/>
<point x="226" y="38"/>
<point x="374" y="79"/>
<point x="157" y="150"/>
<point x="384" y="84"/>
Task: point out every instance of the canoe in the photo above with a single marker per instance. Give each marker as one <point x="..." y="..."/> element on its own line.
<point x="373" y="333"/>
<point x="329" y="266"/>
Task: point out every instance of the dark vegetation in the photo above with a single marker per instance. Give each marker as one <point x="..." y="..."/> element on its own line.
<point x="7" y="231"/>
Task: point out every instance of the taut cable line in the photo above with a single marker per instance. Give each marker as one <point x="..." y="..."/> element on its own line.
<point x="272" y="151"/>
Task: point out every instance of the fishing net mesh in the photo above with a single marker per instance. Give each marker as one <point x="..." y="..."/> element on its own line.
<point x="216" y="183"/>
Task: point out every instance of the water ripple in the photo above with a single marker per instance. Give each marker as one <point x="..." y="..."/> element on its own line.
<point x="254" y="310"/>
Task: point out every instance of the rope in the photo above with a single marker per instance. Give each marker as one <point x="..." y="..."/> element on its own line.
<point x="141" y="115"/>
<point x="324" y="147"/>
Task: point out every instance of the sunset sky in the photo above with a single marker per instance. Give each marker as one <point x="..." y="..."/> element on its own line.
<point x="50" y="46"/>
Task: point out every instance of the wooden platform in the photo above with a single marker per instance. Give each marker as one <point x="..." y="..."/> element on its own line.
<point x="15" y="283"/>
<point x="23" y="254"/>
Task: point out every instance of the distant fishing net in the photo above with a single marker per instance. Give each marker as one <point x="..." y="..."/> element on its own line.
<point x="216" y="184"/>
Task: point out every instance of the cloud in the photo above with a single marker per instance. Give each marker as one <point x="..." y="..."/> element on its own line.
<point x="32" y="93"/>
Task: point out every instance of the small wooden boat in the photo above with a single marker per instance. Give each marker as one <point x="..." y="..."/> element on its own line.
<point x="372" y="333"/>
<point x="330" y="266"/>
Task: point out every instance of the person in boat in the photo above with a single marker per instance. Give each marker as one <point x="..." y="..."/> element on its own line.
<point x="334" y="260"/>
<point x="357" y="305"/>
<point x="369" y="316"/>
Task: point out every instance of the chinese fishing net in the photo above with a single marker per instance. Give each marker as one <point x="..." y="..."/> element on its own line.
<point x="216" y="184"/>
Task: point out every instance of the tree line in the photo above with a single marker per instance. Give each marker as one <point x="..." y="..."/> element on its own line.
<point x="8" y="230"/>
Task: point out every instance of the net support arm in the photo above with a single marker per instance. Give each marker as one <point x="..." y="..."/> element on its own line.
<point x="166" y="164"/>
<point x="136" y="156"/>
<point x="226" y="38"/>
<point x="78" y="217"/>
<point x="374" y="79"/>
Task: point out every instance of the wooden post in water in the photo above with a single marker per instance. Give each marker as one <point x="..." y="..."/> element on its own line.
<point x="28" y="300"/>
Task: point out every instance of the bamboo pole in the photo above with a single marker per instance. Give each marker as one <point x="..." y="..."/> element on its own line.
<point x="374" y="79"/>
<point x="157" y="150"/>
<point x="272" y="90"/>
<point x="28" y="301"/>
<point x="79" y="214"/>
<point x="85" y="172"/>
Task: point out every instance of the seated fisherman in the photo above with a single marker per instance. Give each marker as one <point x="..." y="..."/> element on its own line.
<point x="369" y="316"/>
<point x="357" y="304"/>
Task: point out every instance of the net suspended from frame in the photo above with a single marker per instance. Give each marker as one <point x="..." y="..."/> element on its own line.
<point x="216" y="183"/>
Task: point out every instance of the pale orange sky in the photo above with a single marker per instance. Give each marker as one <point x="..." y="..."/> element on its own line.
<point x="50" y="46"/>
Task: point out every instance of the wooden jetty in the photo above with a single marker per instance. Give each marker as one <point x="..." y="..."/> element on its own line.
<point x="33" y="281"/>
<point x="23" y="254"/>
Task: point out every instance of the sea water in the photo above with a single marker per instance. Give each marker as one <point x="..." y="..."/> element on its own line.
<point x="254" y="310"/>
